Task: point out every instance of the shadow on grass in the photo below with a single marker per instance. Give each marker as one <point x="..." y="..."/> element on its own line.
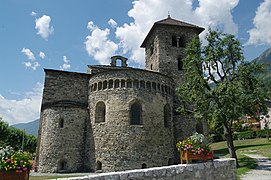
<point x="238" y="147"/>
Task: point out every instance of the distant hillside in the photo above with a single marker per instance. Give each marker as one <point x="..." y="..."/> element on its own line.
<point x="30" y="127"/>
<point x="265" y="58"/>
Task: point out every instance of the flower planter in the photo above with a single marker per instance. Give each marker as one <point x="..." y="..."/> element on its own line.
<point x="188" y="155"/>
<point x="13" y="175"/>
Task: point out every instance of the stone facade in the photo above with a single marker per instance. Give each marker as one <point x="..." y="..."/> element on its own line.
<point x="116" y="118"/>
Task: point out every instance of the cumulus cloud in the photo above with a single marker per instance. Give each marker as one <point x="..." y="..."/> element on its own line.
<point x="98" y="44"/>
<point x="144" y="13"/>
<point x="43" y="26"/>
<point x="112" y="23"/>
<point x="261" y="33"/>
<point x="29" y="54"/>
<point x="42" y="55"/>
<point x="23" y="110"/>
<point x="33" y="13"/>
<point x="31" y="65"/>
<point x="66" y="65"/>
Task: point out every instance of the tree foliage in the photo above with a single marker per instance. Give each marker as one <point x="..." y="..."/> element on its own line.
<point x="16" y="138"/>
<point x="220" y="84"/>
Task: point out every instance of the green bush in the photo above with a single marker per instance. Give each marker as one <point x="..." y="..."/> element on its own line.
<point x="244" y="135"/>
<point x="217" y="137"/>
<point x="263" y="133"/>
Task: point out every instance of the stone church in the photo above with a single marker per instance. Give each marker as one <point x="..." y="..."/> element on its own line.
<point x="115" y="117"/>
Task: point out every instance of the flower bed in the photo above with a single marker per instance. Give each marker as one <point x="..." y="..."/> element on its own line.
<point x="14" y="164"/>
<point x="194" y="147"/>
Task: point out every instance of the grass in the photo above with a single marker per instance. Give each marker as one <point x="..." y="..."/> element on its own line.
<point x="248" y="146"/>
<point x="49" y="177"/>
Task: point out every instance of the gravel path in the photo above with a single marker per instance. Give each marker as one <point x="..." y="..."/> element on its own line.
<point x="262" y="172"/>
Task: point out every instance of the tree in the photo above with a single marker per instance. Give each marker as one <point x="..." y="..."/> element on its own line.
<point x="220" y="84"/>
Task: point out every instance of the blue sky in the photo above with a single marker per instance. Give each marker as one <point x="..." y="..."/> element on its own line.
<point x="70" y="34"/>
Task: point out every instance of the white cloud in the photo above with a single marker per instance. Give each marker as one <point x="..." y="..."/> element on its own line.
<point x="209" y="13"/>
<point x="261" y="33"/>
<point x="42" y="55"/>
<point x="33" y="13"/>
<point x="28" y="54"/>
<point x="112" y="23"/>
<point x="66" y="65"/>
<point x="23" y="110"/>
<point x="33" y="65"/>
<point x="98" y="44"/>
<point x="43" y="26"/>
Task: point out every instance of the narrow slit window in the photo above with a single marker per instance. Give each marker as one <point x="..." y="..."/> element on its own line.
<point x="136" y="114"/>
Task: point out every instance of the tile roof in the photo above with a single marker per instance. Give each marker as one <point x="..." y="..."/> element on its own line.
<point x="171" y="22"/>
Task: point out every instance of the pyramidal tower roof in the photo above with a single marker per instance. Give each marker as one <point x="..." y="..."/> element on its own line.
<point x="171" y="22"/>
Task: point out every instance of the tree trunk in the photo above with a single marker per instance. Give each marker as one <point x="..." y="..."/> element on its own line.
<point x="230" y="145"/>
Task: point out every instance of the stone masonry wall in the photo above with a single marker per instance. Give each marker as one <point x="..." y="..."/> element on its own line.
<point x="220" y="169"/>
<point x="119" y="145"/>
<point x="64" y="143"/>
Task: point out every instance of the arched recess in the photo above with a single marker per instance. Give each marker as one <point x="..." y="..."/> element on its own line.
<point x="98" y="165"/>
<point x="62" y="166"/>
<point x="136" y="113"/>
<point x="100" y="112"/>
<point x="167" y="115"/>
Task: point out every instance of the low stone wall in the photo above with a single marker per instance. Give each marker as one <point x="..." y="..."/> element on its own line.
<point x="222" y="169"/>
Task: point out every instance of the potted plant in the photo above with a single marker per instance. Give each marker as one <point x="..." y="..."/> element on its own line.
<point x="14" y="164"/>
<point x="194" y="147"/>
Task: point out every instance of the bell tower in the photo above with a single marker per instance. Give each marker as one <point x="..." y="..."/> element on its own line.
<point x="165" y="45"/>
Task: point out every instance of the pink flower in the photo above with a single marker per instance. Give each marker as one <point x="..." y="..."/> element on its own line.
<point x="21" y="161"/>
<point x="25" y="169"/>
<point x="8" y="160"/>
<point x="19" y="171"/>
<point x="184" y="149"/>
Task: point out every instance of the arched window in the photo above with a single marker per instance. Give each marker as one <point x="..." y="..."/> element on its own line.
<point x="110" y="84"/>
<point x="105" y="85"/>
<point x="99" y="165"/>
<point x="167" y="115"/>
<point x="129" y="83"/>
<point x="117" y="83"/>
<point x="61" y="123"/>
<point x="180" y="64"/>
<point x="174" y="41"/>
<point x="62" y="166"/>
<point x="136" y="114"/>
<point x="144" y="166"/>
<point x="100" y="112"/>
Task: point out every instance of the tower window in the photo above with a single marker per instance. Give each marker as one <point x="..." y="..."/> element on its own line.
<point x="100" y="112"/>
<point x="61" y="123"/>
<point x="181" y="42"/>
<point x="135" y="114"/>
<point x="117" y="83"/>
<point x="174" y="41"/>
<point x="167" y="115"/>
<point x="180" y="64"/>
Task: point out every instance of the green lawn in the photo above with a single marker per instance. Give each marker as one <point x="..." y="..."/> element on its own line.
<point x="248" y="146"/>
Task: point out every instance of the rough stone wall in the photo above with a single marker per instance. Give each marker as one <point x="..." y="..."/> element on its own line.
<point x="222" y="169"/>
<point x="162" y="57"/>
<point x="119" y="145"/>
<point x="63" y="137"/>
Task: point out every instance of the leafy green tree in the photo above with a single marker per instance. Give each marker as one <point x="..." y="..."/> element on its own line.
<point x="3" y="131"/>
<point x="219" y="84"/>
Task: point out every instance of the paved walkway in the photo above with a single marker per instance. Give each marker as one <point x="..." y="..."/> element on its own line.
<point x="262" y="172"/>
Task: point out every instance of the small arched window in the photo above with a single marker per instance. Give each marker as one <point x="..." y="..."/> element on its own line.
<point x="180" y="64"/>
<point x="99" y="165"/>
<point x="62" y="166"/>
<point x="136" y="114"/>
<point x="167" y="115"/>
<point x="100" y="112"/>
<point x="61" y="123"/>
<point x="174" y="41"/>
